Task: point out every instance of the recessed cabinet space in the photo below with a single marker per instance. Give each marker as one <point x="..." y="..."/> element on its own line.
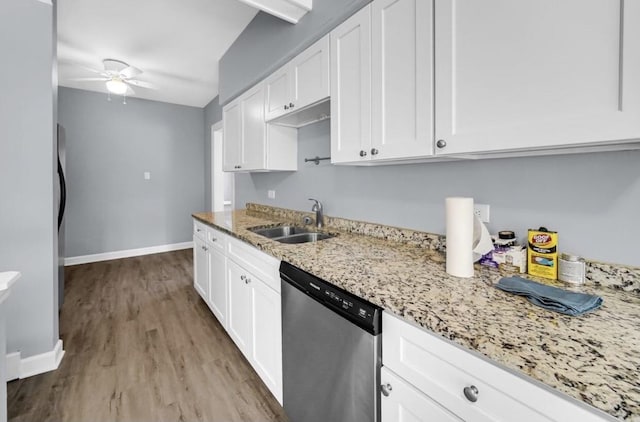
<point x="301" y="83"/>
<point x="526" y="75"/>
<point x="252" y="145"/>
<point x="382" y="83"/>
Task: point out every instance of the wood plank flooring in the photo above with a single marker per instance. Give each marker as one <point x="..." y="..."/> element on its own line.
<point x="142" y="346"/>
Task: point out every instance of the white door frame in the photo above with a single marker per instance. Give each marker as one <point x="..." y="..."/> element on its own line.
<point x="217" y="175"/>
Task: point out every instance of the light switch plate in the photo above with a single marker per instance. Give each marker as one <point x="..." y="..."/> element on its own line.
<point x="147" y="175"/>
<point x="271" y="194"/>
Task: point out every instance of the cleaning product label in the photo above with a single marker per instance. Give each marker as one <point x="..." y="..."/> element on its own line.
<point x="542" y="251"/>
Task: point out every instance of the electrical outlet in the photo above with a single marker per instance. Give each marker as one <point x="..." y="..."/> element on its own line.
<point x="271" y="194"/>
<point x="147" y="175"/>
<point x="482" y="212"/>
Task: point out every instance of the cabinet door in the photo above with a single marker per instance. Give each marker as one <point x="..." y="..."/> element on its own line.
<point x="525" y="74"/>
<point x="253" y="129"/>
<point x="201" y="267"/>
<point x="240" y="308"/>
<point x="218" y="285"/>
<point x="351" y="88"/>
<point x="406" y="404"/>
<point x="276" y="93"/>
<point x="310" y="75"/>
<point x="267" y="336"/>
<point x="232" y="133"/>
<point x="402" y="75"/>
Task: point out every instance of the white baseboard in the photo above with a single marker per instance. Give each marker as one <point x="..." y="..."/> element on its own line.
<point x="34" y="365"/>
<point x="85" y="259"/>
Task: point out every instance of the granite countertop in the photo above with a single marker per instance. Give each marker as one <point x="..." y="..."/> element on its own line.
<point x="594" y="358"/>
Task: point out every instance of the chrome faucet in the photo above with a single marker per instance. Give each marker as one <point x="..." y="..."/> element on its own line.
<point x="317" y="208"/>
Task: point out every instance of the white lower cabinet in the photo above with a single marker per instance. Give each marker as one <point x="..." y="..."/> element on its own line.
<point x="402" y="402"/>
<point x="241" y="286"/>
<point x="266" y="351"/>
<point x="200" y="267"/>
<point x="218" y="285"/>
<point x="240" y="307"/>
<point x="431" y="379"/>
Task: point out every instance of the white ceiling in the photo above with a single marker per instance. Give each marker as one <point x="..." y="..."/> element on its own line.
<point x="176" y="43"/>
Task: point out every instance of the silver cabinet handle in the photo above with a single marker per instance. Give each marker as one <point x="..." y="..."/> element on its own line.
<point x="291" y="105"/>
<point x="471" y="393"/>
<point x="374" y="151"/>
<point x="363" y="153"/>
<point x="242" y="277"/>
<point x="386" y="389"/>
<point x="247" y="280"/>
<point x="286" y="107"/>
<point x="198" y="230"/>
<point x="204" y="248"/>
<point x="441" y="143"/>
<point x="213" y="239"/>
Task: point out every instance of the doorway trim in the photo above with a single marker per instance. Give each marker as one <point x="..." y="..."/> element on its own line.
<point x="217" y="173"/>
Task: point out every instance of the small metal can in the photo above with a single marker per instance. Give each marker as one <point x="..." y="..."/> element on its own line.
<point x="571" y="269"/>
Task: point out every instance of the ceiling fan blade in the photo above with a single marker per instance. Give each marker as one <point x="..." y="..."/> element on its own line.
<point x="141" y="84"/>
<point x="89" y="79"/>
<point x="130" y="72"/>
<point x="92" y="70"/>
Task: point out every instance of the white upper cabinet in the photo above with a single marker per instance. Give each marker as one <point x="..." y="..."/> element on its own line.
<point x="524" y="74"/>
<point x="351" y="88"/>
<point x="309" y="75"/>
<point x="277" y="97"/>
<point x="402" y="79"/>
<point x="382" y="83"/>
<point x="254" y="130"/>
<point x="295" y="93"/>
<point x="232" y="132"/>
<point x="249" y="143"/>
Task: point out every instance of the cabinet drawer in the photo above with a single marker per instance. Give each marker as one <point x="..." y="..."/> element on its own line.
<point x="216" y="239"/>
<point x="199" y="229"/>
<point x="442" y="371"/>
<point x="264" y="266"/>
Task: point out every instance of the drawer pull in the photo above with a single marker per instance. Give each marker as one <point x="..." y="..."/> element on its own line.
<point x="243" y="277"/>
<point x="471" y="393"/>
<point x="213" y="239"/>
<point x="386" y="389"/>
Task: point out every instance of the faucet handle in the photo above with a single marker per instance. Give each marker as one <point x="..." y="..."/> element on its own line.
<point x="317" y="204"/>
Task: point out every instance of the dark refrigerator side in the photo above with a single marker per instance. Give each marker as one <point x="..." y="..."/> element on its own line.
<point x="62" y="202"/>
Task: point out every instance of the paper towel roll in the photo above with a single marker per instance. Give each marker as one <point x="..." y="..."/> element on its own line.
<point x="467" y="239"/>
<point x="459" y="236"/>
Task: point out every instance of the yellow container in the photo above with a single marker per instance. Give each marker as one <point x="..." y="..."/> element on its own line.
<point x="542" y="252"/>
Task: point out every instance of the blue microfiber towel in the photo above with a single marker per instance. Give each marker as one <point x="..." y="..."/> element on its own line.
<point x="551" y="298"/>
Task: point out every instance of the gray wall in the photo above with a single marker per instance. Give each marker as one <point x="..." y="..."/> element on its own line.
<point x="593" y="200"/>
<point x="110" y="145"/>
<point x="28" y="229"/>
<point x="268" y="42"/>
<point x="212" y="115"/>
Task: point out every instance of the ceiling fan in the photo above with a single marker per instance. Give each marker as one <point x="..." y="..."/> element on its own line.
<point x="119" y="77"/>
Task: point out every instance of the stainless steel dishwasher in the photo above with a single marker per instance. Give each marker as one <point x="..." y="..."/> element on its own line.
<point x="330" y="351"/>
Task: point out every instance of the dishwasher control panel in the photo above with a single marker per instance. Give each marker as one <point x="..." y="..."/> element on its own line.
<point x="357" y="310"/>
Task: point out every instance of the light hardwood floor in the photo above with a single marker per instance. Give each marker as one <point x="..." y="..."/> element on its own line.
<point x="142" y="346"/>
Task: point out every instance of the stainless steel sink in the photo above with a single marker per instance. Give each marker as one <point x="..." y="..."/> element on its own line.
<point x="290" y="234"/>
<point x="304" y="238"/>
<point x="281" y="231"/>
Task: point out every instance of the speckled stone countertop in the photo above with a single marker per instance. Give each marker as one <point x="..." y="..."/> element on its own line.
<point x="594" y="358"/>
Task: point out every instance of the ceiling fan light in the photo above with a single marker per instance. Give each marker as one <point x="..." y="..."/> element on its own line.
<point x="116" y="86"/>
